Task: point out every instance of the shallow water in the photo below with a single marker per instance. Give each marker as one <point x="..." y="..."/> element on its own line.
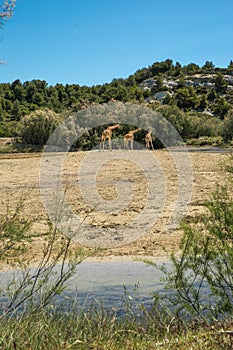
<point x="109" y="284"/>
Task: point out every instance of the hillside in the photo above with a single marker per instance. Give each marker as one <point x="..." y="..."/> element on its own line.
<point x="197" y="100"/>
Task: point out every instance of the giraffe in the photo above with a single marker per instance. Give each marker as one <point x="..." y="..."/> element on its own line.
<point x="107" y="134"/>
<point x="130" y="137"/>
<point x="149" y="141"/>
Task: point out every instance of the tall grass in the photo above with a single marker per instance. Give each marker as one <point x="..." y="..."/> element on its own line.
<point x="100" y="329"/>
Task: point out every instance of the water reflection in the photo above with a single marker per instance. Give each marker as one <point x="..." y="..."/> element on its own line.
<point x="112" y="282"/>
<point x="109" y="284"/>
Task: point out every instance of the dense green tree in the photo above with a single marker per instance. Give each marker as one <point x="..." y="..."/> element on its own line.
<point x="19" y="92"/>
<point x="37" y="99"/>
<point x="192" y="68"/>
<point x="130" y="81"/>
<point x="203" y="102"/>
<point x="186" y="98"/>
<point x="230" y="66"/>
<point x="220" y="83"/>
<point x="161" y="67"/>
<point x="19" y="110"/>
<point x="7" y="105"/>
<point x="122" y="93"/>
<point x="212" y="95"/>
<point x="222" y="107"/>
<point x="142" y="74"/>
<point x="177" y="69"/>
<point x="208" y="66"/>
<point x="181" y="82"/>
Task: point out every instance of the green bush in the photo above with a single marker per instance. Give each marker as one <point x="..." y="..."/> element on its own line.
<point x="38" y="126"/>
<point x="228" y="127"/>
<point x="35" y="288"/>
<point x="206" y="140"/>
<point x="201" y="279"/>
<point x="204" y="125"/>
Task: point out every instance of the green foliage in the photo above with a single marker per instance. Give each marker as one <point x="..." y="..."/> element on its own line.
<point x="201" y="279"/>
<point x="13" y="232"/>
<point x="212" y="95"/>
<point x="203" y="102"/>
<point x="230" y="67"/>
<point x="208" y="66"/>
<point x="38" y="126"/>
<point x="186" y="98"/>
<point x="221" y="107"/>
<point x="9" y="128"/>
<point x="177" y="118"/>
<point x="203" y="125"/>
<point x="228" y="127"/>
<point x="161" y="67"/>
<point x="33" y="289"/>
<point x="214" y="141"/>
<point x="97" y="329"/>
<point x="20" y="99"/>
<point x="220" y="83"/>
<point x="191" y="68"/>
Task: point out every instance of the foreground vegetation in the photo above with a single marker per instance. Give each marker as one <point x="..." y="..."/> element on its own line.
<point x="101" y="330"/>
<point x="195" y="313"/>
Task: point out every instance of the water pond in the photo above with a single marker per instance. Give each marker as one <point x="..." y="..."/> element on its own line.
<point x="109" y="284"/>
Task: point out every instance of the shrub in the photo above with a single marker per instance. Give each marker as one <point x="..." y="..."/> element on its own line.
<point x="206" y="140"/>
<point x="38" y="126"/>
<point x="31" y="289"/>
<point x="204" y="125"/>
<point x="201" y="279"/>
<point x="228" y="127"/>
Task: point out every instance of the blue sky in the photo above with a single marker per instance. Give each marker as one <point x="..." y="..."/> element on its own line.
<point x="90" y="42"/>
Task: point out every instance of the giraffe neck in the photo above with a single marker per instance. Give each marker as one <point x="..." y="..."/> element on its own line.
<point x="113" y="127"/>
<point x="134" y="131"/>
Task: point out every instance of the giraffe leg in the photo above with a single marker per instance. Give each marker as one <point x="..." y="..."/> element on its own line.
<point x="110" y="143"/>
<point x="100" y="146"/>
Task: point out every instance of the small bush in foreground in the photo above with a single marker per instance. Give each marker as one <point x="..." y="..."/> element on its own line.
<point x="33" y="288"/>
<point x="201" y="280"/>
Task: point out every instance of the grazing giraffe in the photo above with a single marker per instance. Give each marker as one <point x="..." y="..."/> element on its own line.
<point x="107" y="134"/>
<point x="149" y="141"/>
<point x="130" y="137"/>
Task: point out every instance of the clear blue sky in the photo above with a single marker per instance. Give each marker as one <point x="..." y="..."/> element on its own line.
<point x="90" y="42"/>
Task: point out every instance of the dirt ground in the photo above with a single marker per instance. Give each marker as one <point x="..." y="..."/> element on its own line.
<point x="20" y="178"/>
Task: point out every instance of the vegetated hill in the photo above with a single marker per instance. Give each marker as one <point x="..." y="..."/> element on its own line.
<point x="202" y="96"/>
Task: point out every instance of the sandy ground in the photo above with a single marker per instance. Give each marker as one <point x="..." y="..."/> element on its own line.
<point x="20" y="178"/>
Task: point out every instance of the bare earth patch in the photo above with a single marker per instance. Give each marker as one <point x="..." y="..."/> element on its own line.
<point x="20" y="178"/>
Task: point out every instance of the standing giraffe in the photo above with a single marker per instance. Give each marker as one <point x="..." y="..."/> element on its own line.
<point x="130" y="137"/>
<point x="107" y="134"/>
<point x="149" y="141"/>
